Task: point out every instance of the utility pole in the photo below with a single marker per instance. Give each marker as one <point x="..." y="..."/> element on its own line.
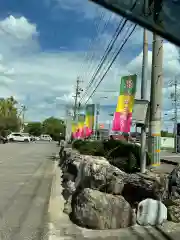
<point x="175" y="100"/>
<point x="175" y="115"/>
<point x="154" y="140"/>
<point x="68" y="122"/>
<point x="97" y="120"/>
<point x="23" y="116"/>
<point x="77" y="93"/>
<point x="144" y="92"/>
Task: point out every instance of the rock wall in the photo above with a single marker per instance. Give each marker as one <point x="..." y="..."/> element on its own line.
<point x="101" y="196"/>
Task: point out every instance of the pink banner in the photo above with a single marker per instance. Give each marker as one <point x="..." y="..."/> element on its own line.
<point x="122" y="122"/>
<point x="87" y="132"/>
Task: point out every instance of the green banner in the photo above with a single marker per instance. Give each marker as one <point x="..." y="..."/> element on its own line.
<point x="90" y="113"/>
<point x="128" y="85"/>
<point x="81" y="117"/>
<point x="90" y="110"/>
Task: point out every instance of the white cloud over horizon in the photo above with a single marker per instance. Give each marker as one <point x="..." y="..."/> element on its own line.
<point x="45" y="81"/>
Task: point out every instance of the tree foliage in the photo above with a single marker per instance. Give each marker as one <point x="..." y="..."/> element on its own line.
<point x="34" y="128"/>
<point x="9" y="119"/>
<point x="166" y="134"/>
<point x="52" y="126"/>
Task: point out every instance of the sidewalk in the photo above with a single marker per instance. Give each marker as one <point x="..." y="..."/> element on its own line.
<point x="169" y="157"/>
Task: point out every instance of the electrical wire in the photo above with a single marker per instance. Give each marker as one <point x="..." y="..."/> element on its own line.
<point x="97" y="25"/>
<point x="93" y="78"/>
<point x="109" y="48"/>
<point x="113" y="60"/>
<point x="90" y="68"/>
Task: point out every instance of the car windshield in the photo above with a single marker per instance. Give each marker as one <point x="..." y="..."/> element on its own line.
<point x="17" y="134"/>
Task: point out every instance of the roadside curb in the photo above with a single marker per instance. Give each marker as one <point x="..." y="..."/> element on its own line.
<point x="169" y="162"/>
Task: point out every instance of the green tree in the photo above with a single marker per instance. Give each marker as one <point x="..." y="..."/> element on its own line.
<point x="166" y="134"/>
<point x="54" y="127"/>
<point x="34" y="128"/>
<point x="9" y="119"/>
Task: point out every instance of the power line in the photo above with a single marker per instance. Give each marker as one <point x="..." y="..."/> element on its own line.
<point x="97" y="24"/>
<point x="114" y="58"/>
<point x="96" y="40"/>
<point x="106" y="54"/>
<point x="93" y="78"/>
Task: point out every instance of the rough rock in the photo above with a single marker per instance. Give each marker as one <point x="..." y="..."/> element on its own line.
<point x="96" y="210"/>
<point x="174" y="183"/>
<point x="71" y="164"/>
<point x="174" y="211"/>
<point x="69" y="189"/>
<point x="67" y="206"/>
<point x="151" y="212"/>
<point x="138" y="188"/>
<point x="99" y="174"/>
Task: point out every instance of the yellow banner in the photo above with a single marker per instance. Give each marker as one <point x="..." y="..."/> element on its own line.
<point x="125" y="104"/>
<point x="89" y="122"/>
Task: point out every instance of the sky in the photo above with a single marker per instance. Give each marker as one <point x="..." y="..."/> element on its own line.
<point x="46" y="44"/>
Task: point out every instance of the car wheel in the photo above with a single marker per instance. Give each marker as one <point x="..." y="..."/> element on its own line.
<point x="26" y="140"/>
<point x="11" y="140"/>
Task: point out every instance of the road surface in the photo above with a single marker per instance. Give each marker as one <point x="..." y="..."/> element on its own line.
<point x="25" y="180"/>
<point x="171" y="157"/>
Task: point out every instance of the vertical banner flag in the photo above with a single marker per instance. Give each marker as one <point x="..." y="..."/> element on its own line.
<point x="80" y="126"/>
<point x="123" y="116"/>
<point x="89" y="120"/>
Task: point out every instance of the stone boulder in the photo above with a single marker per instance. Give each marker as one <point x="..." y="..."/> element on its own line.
<point x="68" y="189"/>
<point x="174" y="183"/>
<point x="96" y="210"/>
<point x="151" y="212"/>
<point x="67" y="206"/>
<point x="70" y="165"/>
<point x="173" y="208"/>
<point x="138" y="187"/>
<point x="98" y="173"/>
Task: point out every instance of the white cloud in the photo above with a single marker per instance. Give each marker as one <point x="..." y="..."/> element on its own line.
<point x="19" y="28"/>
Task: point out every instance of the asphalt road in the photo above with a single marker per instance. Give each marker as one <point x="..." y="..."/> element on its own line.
<point x="26" y="171"/>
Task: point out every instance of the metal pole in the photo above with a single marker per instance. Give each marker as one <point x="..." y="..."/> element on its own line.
<point x="175" y="115"/>
<point x="76" y="98"/>
<point x="97" y="119"/>
<point x="144" y="92"/>
<point x="156" y="101"/>
<point x="68" y="125"/>
<point x="144" y="96"/>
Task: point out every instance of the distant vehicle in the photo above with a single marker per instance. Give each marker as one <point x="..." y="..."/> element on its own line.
<point x="45" y="137"/>
<point x="37" y="138"/>
<point x="18" y="137"/>
<point x="3" y="140"/>
<point x="33" y="138"/>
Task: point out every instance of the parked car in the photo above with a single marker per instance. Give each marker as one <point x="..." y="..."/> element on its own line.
<point x="45" y="137"/>
<point x="32" y="138"/>
<point x="3" y="140"/>
<point x="18" y="137"/>
<point x="37" y="138"/>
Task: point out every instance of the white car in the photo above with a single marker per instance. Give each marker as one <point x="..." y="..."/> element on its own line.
<point x="46" y="137"/>
<point x="18" y="137"/>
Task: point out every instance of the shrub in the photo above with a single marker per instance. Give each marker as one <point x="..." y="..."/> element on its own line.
<point x="77" y="143"/>
<point x="128" y="151"/>
<point x="94" y="148"/>
<point x="112" y="149"/>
